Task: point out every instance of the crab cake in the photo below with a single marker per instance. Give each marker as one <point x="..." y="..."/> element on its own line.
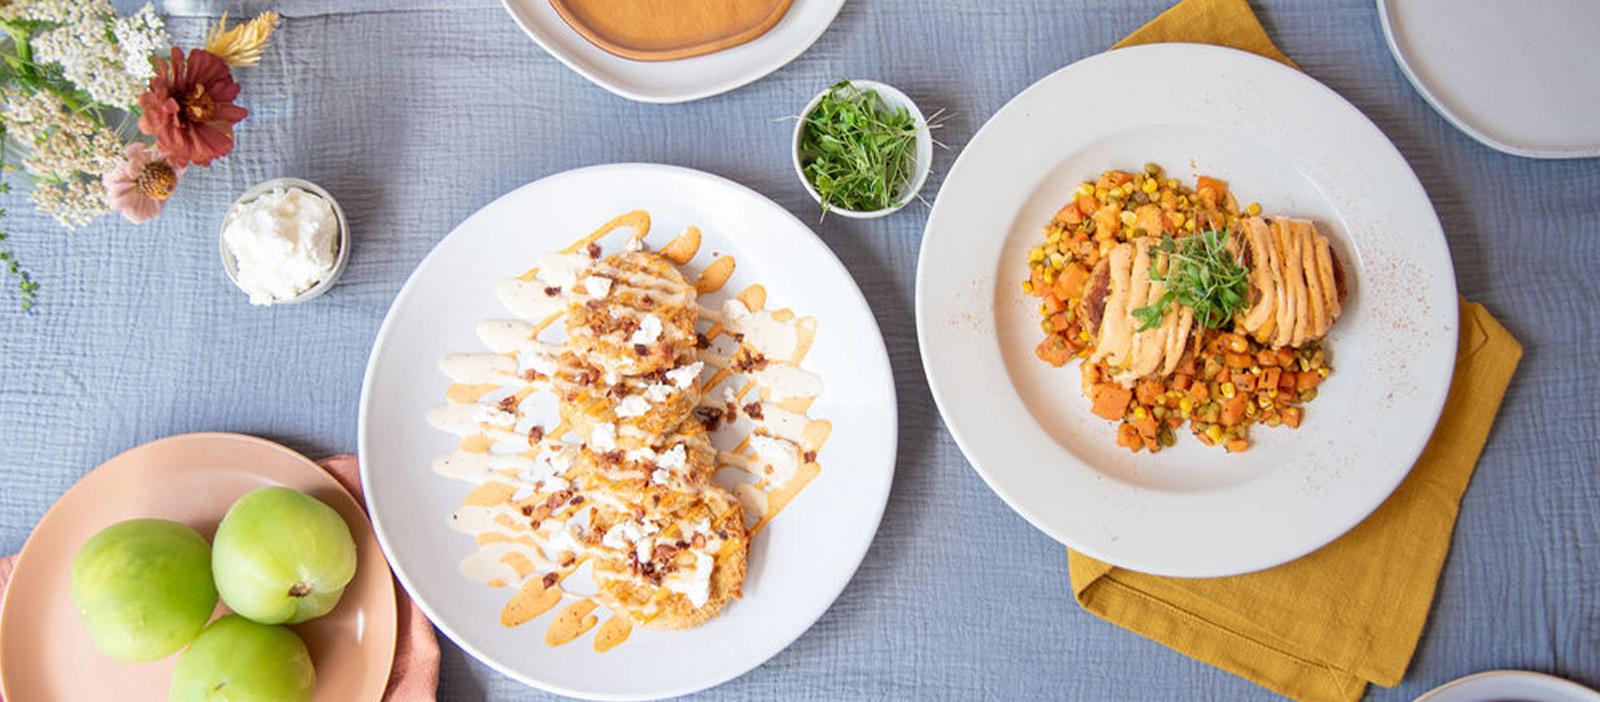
<point x="638" y="316"/>
<point x="647" y="404"/>
<point x="678" y="564"/>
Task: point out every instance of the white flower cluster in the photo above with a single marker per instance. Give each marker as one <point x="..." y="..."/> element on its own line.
<point x="73" y="203"/>
<point x="105" y="55"/>
<point x="65" y="151"/>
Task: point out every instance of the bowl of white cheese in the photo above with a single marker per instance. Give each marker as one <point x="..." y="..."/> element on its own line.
<point x="284" y="241"/>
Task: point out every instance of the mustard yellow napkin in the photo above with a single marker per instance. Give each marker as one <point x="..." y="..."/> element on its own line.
<point x="1321" y="627"/>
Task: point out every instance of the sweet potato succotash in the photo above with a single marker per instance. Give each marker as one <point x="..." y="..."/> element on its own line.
<point x="1184" y="308"/>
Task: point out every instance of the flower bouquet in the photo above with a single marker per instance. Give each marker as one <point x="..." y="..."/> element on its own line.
<point x="102" y="112"/>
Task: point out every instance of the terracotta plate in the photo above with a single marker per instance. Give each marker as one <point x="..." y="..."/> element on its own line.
<point x="45" y="654"/>
<point x="668" y="30"/>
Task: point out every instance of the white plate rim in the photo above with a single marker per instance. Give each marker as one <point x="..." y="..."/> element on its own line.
<point x="874" y="353"/>
<point x="1210" y="564"/>
<point x="1455" y="118"/>
<point x="1577" y="689"/>
<point x="756" y="70"/>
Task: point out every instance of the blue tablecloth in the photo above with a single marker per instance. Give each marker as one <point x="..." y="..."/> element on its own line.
<point x="415" y="113"/>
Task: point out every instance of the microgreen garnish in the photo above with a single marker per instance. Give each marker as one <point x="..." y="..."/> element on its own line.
<point x="856" y="151"/>
<point x="1202" y="275"/>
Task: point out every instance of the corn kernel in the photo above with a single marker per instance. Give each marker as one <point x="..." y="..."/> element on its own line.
<point x="1058" y="260"/>
<point x="1189" y="224"/>
<point x="1186" y="405"/>
<point x="1129" y="218"/>
<point x="1047" y="326"/>
<point x="1264" y="401"/>
<point x="1228" y="390"/>
<point x="1044" y="309"/>
<point x="1215" y="432"/>
<point x="1171" y="184"/>
<point x="1027" y="287"/>
<point x="1036" y="254"/>
<point x="1322" y="372"/>
<point x="1084" y="189"/>
<point x="1049" y="275"/>
<point x="1254" y="209"/>
<point x="1150" y="186"/>
<point x="1305" y="364"/>
<point x="1127" y="188"/>
<point x="1083" y="336"/>
<point x="1139" y="413"/>
<point x="1255" y="370"/>
<point x="1101" y="193"/>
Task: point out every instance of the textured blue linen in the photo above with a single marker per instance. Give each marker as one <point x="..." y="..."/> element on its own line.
<point x="416" y="113"/>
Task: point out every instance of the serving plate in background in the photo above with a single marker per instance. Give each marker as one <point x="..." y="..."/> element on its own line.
<point x="1519" y="77"/>
<point x="1278" y="137"/>
<point x="678" y="80"/>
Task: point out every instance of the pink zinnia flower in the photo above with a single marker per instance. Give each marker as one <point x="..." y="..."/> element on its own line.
<point x="140" y="185"/>
<point x="189" y="108"/>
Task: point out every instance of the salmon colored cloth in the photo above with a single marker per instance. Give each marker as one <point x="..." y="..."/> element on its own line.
<point x="415" y="675"/>
<point x="1324" y="626"/>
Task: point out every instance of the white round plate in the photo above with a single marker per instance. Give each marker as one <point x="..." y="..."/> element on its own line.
<point x="798" y="564"/>
<point x="1277" y="137"/>
<point x="1502" y="685"/>
<point x="1519" y="77"/>
<point x="685" y="79"/>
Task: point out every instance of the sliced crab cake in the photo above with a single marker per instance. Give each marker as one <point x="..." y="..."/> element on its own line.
<point x="638" y="316"/>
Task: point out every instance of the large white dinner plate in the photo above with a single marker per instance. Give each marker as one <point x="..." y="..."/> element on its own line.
<point x="1278" y="137"/>
<point x="685" y="79"/>
<point x="1519" y="77"/>
<point x="798" y="564"/>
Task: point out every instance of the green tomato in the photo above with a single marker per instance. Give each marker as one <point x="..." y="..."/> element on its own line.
<point x="143" y="588"/>
<point x="238" y="660"/>
<point x="282" y="556"/>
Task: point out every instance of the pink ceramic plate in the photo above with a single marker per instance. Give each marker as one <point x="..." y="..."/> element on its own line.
<point x="46" y="655"/>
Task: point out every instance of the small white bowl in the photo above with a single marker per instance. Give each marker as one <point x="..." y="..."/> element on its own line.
<point x="340" y="257"/>
<point x="922" y="157"/>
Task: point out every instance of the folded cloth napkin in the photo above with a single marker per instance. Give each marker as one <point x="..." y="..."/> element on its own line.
<point x="415" y="675"/>
<point x="1321" y="627"/>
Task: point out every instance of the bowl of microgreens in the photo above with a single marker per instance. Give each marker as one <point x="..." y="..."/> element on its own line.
<point x="862" y="149"/>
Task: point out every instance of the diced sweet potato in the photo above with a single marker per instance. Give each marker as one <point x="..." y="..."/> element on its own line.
<point x="1148" y="391"/>
<point x="1070" y="214"/>
<point x="1112" y="179"/>
<point x="1306" y="380"/>
<point x="1111" y="401"/>
<point x="1149" y="219"/>
<point x="1086" y="205"/>
<point x="1233" y="409"/>
<point x="1107" y="221"/>
<point x="1054" y="350"/>
<point x="1069" y="283"/>
<point x="1291" y="417"/>
<point x="1245" y="382"/>
<point x="1210" y="190"/>
<point x="1269" y="377"/>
